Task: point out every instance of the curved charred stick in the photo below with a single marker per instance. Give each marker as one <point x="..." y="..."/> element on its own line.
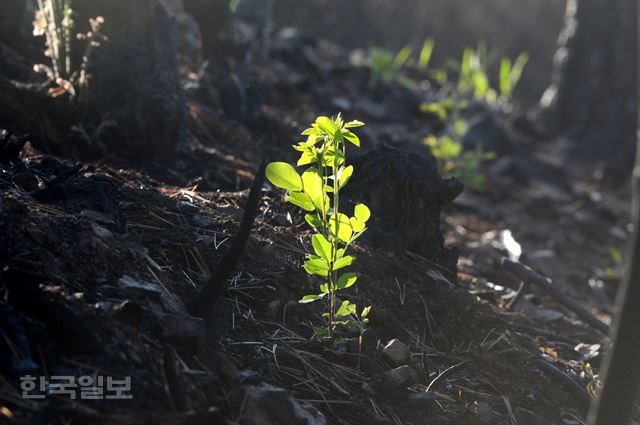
<point x="206" y="296"/>
<point x="528" y="275"/>
<point x="567" y="381"/>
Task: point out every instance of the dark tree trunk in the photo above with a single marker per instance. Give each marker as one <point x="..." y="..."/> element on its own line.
<point x="16" y="17"/>
<point x="621" y="369"/>
<point x="592" y="97"/>
<point x="134" y="104"/>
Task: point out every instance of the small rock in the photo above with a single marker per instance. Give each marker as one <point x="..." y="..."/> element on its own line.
<point x="185" y="331"/>
<point x="400" y="377"/>
<point x="142" y="288"/>
<point x="187" y="207"/>
<point x="422" y="399"/>
<point x="396" y="353"/>
<point x="128" y="312"/>
<point x="273" y="309"/>
<point x="102" y="233"/>
<point x="26" y="181"/>
<point x="269" y="405"/>
<point x="98" y="217"/>
<point x="201" y="220"/>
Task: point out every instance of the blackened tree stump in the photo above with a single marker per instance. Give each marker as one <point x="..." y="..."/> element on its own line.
<point x="405" y="194"/>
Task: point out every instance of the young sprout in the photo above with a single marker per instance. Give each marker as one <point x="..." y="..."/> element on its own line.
<point x="317" y="191"/>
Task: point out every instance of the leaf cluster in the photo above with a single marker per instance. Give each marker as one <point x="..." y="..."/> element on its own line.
<point x="317" y="191"/>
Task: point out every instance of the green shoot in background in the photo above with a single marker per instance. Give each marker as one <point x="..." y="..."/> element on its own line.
<point x="317" y="191"/>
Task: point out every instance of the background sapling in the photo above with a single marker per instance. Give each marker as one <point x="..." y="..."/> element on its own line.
<point x="317" y="191"/>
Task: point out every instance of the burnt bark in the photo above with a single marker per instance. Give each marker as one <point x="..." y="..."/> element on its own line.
<point x="134" y="105"/>
<point x="592" y="97"/>
<point x="406" y="195"/>
<point x="621" y="369"/>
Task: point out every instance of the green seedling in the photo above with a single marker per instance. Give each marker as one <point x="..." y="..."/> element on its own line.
<point x="425" y="54"/>
<point x="385" y="67"/>
<point x="594" y="386"/>
<point x="317" y="191"/>
<point x="453" y="160"/>
<point x="510" y="74"/>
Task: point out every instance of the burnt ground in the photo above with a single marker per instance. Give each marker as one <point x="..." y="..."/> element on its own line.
<point x="98" y="269"/>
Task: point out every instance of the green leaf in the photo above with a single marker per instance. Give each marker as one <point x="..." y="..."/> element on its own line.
<point x="306" y="158"/>
<point x="327" y="126"/>
<point x="344" y="176"/>
<point x="310" y="132"/>
<point x="346" y="309"/>
<point x="321" y="246"/>
<point x="313" y="220"/>
<point x="301" y="200"/>
<point x="354" y="124"/>
<point x="312" y="184"/>
<point x="356" y="225"/>
<point x="321" y="332"/>
<point x="340" y="227"/>
<point x="309" y="299"/>
<point x="351" y="137"/>
<point x="316" y="266"/>
<point x="365" y="312"/>
<point x="402" y="58"/>
<point x="283" y="175"/>
<point x="324" y="288"/>
<point x="505" y="77"/>
<point x="344" y="262"/>
<point x="334" y="157"/>
<point x="362" y="212"/>
<point x="436" y="108"/>
<point x="346" y="280"/>
<point x="425" y="53"/>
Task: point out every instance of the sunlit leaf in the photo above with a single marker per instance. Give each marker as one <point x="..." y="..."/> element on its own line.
<point x="346" y="309"/>
<point x="301" y="200"/>
<point x="283" y="175"/>
<point x="425" y="53"/>
<point x="321" y="246"/>
<point x="345" y="175"/>
<point x="327" y="125"/>
<point x="351" y="137"/>
<point x="356" y="225"/>
<point x="313" y="220"/>
<point x="345" y="261"/>
<point x="312" y="184"/>
<point x="309" y="299"/>
<point x="316" y="266"/>
<point x="346" y="280"/>
<point x="306" y="158"/>
<point x="340" y="227"/>
<point x="354" y="124"/>
<point x="365" y="312"/>
<point x="362" y="212"/>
